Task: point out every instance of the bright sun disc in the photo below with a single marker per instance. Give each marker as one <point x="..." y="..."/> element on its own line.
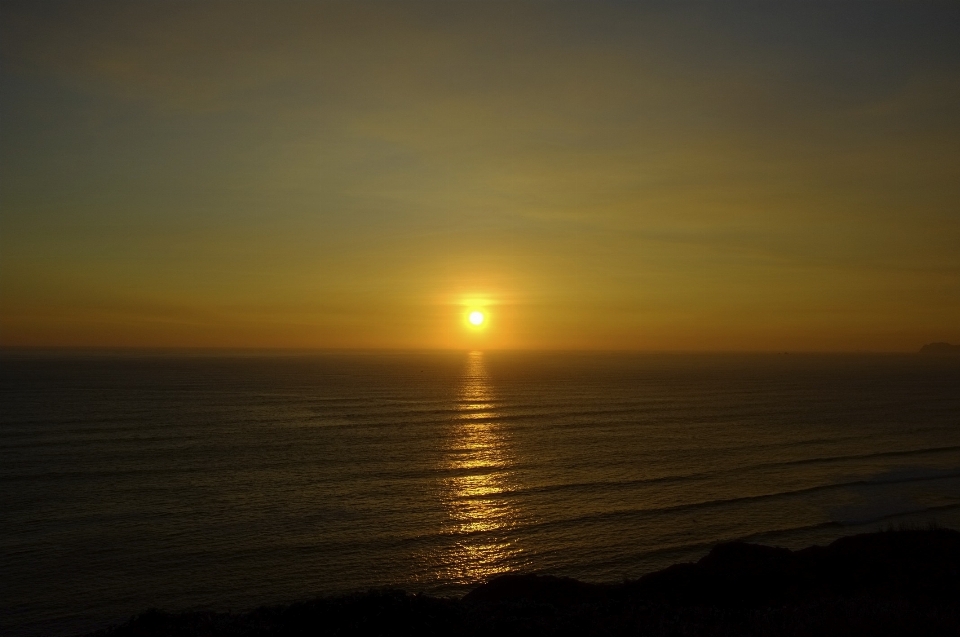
<point x="476" y="318"/>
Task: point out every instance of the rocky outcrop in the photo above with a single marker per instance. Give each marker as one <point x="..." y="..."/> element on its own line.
<point x="940" y="349"/>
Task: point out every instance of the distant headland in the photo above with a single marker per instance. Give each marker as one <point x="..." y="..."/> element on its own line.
<point x="940" y="349"/>
<point x="903" y="582"/>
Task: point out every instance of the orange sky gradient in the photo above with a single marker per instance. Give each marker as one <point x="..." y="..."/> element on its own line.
<point x="757" y="177"/>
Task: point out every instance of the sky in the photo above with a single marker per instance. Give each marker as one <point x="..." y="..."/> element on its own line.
<point x="764" y="176"/>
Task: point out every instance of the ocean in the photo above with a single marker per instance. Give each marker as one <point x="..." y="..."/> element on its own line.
<point x="227" y="481"/>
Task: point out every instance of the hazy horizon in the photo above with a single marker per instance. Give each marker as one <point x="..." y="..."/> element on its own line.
<point x="319" y="350"/>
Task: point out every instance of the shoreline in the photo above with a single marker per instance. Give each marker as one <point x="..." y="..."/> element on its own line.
<point x="885" y="583"/>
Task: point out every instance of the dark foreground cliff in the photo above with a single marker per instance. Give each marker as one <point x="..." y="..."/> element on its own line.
<point x="889" y="583"/>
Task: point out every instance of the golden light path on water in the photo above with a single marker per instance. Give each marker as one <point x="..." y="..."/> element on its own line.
<point x="477" y="467"/>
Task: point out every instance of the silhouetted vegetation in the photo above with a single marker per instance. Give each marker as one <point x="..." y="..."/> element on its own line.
<point x="904" y="582"/>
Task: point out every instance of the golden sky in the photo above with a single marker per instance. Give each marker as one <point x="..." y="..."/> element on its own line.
<point x="766" y="176"/>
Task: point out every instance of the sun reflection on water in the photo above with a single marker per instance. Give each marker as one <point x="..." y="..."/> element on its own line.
<point x="478" y="472"/>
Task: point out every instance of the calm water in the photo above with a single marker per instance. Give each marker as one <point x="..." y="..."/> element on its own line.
<point x="135" y="481"/>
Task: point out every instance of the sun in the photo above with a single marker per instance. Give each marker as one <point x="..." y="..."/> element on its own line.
<point x="476" y="318"/>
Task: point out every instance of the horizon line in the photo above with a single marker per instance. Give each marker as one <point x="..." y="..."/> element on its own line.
<point x="131" y="349"/>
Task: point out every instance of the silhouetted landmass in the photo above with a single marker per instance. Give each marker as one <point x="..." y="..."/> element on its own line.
<point x="940" y="349"/>
<point x="888" y="583"/>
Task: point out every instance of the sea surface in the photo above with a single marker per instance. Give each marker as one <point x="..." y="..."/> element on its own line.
<point x="227" y="481"/>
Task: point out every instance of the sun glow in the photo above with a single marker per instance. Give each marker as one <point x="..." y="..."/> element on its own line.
<point x="474" y="316"/>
